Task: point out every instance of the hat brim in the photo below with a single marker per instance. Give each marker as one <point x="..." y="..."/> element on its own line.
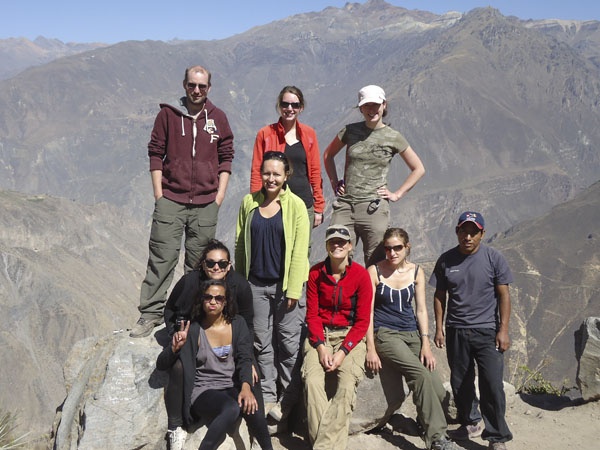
<point x="472" y="221"/>
<point x="377" y="100"/>
<point x="337" y="235"/>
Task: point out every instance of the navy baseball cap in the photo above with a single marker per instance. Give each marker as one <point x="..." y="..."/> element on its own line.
<point x="471" y="216"/>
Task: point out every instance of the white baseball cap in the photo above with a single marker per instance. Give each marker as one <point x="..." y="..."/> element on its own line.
<point x="371" y="94"/>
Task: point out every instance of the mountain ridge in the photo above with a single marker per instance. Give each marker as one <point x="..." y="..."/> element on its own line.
<point x="505" y="117"/>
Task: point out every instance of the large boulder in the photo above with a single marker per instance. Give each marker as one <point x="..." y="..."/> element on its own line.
<point x="115" y="398"/>
<point x="378" y="397"/>
<point x="587" y="350"/>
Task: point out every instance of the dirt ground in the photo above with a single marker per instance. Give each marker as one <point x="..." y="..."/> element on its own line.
<point x="537" y="423"/>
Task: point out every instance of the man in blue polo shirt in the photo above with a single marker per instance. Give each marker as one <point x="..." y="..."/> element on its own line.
<point x="471" y="286"/>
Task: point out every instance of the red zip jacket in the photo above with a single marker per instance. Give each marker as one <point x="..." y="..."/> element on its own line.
<point x="346" y="303"/>
<point x="190" y="168"/>
<point x="272" y="138"/>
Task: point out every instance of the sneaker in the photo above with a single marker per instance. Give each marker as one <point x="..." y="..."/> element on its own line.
<point x="278" y="413"/>
<point x="176" y="438"/>
<point x="268" y="407"/>
<point x="465" y="432"/>
<point x="497" y="446"/>
<point x="144" y="327"/>
<point x="443" y="444"/>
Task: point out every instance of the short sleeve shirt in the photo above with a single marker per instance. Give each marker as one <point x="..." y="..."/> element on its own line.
<point x="368" y="157"/>
<point x="470" y="281"/>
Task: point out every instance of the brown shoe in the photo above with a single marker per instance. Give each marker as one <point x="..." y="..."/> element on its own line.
<point x="144" y="327"/>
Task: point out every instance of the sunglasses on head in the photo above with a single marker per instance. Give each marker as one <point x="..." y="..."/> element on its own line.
<point x="209" y="298"/>
<point x="343" y="231"/>
<point x="272" y="154"/>
<point x="285" y="105"/>
<point x="396" y="248"/>
<point x="222" y="264"/>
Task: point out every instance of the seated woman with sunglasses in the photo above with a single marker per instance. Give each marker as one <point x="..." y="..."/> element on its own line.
<point x="299" y="143"/>
<point x="399" y="339"/>
<point x="215" y="351"/>
<point x="338" y="308"/>
<point x="214" y="264"/>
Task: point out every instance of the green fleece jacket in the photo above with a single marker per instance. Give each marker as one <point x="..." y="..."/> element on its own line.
<point x="296" y="230"/>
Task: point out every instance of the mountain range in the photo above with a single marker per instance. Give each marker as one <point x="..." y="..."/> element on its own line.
<point x="504" y="113"/>
<point x="18" y="54"/>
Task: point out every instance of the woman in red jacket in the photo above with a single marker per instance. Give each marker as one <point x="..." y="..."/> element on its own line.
<point x="299" y="143"/>
<point x="338" y="308"/>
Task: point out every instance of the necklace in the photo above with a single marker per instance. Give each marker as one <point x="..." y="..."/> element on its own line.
<point x="402" y="271"/>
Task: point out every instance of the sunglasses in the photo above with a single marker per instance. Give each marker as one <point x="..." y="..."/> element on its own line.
<point x="396" y="248"/>
<point x="343" y="231"/>
<point x="373" y="206"/>
<point x="285" y="105"/>
<point x="193" y="86"/>
<point x="207" y="298"/>
<point x="222" y="264"/>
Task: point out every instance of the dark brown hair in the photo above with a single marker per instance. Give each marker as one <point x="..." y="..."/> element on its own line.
<point x="229" y="308"/>
<point x="399" y="233"/>
<point x="277" y="156"/>
<point x="292" y="90"/>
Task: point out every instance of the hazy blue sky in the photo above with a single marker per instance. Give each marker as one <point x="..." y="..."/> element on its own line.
<point x="113" y="21"/>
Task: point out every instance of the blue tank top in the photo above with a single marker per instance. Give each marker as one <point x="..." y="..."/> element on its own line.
<point x="267" y="251"/>
<point x="393" y="307"/>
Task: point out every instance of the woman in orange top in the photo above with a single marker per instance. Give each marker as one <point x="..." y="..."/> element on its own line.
<point x="299" y="143"/>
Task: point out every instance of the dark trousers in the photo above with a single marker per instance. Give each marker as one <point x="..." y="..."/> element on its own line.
<point x="465" y="347"/>
<point x="220" y="420"/>
<point x="174" y="396"/>
<point x="220" y="408"/>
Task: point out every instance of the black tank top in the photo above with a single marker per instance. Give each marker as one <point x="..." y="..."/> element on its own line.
<point x="298" y="182"/>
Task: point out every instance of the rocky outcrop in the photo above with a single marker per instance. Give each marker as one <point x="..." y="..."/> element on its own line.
<point x="378" y="397"/>
<point x="115" y="398"/>
<point x="587" y="349"/>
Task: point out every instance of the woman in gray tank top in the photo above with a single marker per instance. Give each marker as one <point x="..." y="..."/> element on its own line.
<point x="215" y="349"/>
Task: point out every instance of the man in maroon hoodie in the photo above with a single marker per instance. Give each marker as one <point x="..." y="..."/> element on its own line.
<point x="190" y="150"/>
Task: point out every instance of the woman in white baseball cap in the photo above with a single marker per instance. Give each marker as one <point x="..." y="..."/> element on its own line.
<point x="363" y="196"/>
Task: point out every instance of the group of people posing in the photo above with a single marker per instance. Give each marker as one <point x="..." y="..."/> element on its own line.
<point x="256" y="334"/>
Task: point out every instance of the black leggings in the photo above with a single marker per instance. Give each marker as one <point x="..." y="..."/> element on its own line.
<point x="220" y="408"/>
<point x="209" y="409"/>
<point x="174" y="396"/>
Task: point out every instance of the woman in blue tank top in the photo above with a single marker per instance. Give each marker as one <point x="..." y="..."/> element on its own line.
<point x="398" y="336"/>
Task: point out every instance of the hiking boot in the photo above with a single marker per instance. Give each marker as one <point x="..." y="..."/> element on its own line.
<point x="144" y="327"/>
<point x="465" y="432"/>
<point x="444" y="444"/>
<point x="497" y="446"/>
<point x="176" y="438"/>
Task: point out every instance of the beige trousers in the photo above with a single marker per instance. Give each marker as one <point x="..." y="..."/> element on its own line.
<point x="330" y="398"/>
